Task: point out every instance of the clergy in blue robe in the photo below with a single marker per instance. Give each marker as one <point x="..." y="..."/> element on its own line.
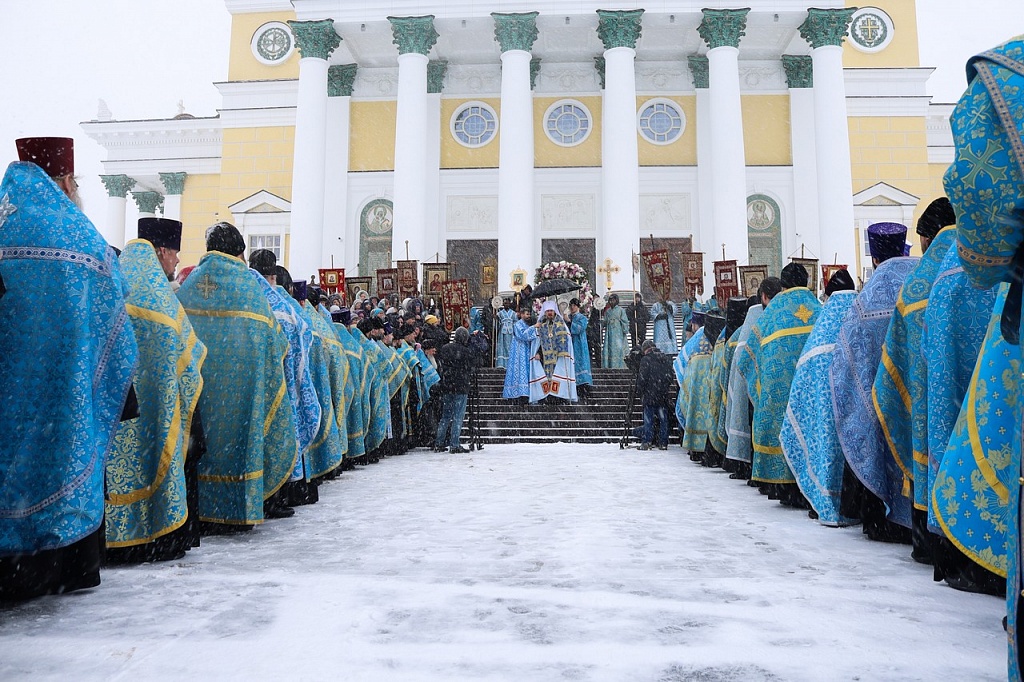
<point x="854" y="367"/>
<point x="147" y="489"/>
<point x="773" y="349"/>
<point x="342" y="392"/>
<point x="250" y="432"/>
<point x="680" y="364"/>
<point x="578" y="324"/>
<point x="506" y="320"/>
<point x="66" y="348"/>
<point x="736" y="312"/>
<point x="739" y="446"/>
<point x="808" y="436"/>
<point x="989" y="201"/>
<point x="663" y="313"/>
<point x="553" y="369"/>
<point x="524" y="348"/>
<point x="616" y="325"/>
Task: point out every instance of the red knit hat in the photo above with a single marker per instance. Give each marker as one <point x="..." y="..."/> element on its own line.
<point x="55" y="155"/>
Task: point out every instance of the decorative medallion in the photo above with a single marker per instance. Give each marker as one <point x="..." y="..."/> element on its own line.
<point x="871" y="29"/>
<point x="378" y="216"/>
<point x="661" y="121"/>
<point x="272" y="43"/>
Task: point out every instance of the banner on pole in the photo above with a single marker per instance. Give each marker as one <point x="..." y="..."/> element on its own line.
<point x="659" y="272"/>
<point x="455" y="303"/>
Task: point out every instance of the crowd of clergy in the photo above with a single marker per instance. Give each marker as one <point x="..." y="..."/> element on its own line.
<point x="896" y="407"/>
<point x="140" y="411"/>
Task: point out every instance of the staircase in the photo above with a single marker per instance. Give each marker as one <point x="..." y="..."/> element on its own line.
<point x="601" y="421"/>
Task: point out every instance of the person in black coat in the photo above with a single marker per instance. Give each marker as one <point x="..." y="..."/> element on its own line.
<point x="654" y="385"/>
<point x="456" y="362"/>
<point x="638" y="317"/>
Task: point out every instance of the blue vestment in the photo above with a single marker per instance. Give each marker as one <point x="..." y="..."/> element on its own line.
<point x="341" y="391"/>
<point x="738" y="445"/>
<point x="900" y="390"/>
<point x="581" y="349"/>
<point x="664" y="329"/>
<point x="808" y="436"/>
<point x="718" y="395"/>
<point x="856" y="362"/>
<point x="146" y="494"/>
<point x="247" y="417"/>
<point x="517" y="371"/>
<point x="616" y="324"/>
<point x="679" y="365"/>
<point x="506" y="320"/>
<point x="773" y="349"/>
<point x="67" y="355"/>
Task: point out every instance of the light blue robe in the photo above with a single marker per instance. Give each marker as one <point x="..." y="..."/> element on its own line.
<point x="854" y="367"/>
<point x="506" y="320"/>
<point x="737" y="405"/>
<point x="616" y="325"/>
<point x="955" y="325"/>
<point x="581" y="349"/>
<point x="556" y="377"/>
<point x="808" y="437"/>
<point x="664" y="330"/>
<point x="517" y="371"/>
<point x="67" y="356"/>
<point x="680" y="365"/>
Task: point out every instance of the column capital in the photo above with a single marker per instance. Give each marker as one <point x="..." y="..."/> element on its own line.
<point x="174" y="183"/>
<point x="619" y="28"/>
<point x="148" y="202"/>
<point x="723" y="27"/>
<point x="316" y="39"/>
<point x="534" y="70"/>
<point x="599" y="65"/>
<point x="515" y="31"/>
<point x="699" y="70"/>
<point x="826" y="26"/>
<point x="436" y="70"/>
<point x="117" y="185"/>
<point x="340" y="79"/>
<point x="413" y="34"/>
<point x="799" y="71"/>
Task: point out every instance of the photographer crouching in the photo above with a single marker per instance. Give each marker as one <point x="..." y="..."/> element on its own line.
<point x="654" y="384"/>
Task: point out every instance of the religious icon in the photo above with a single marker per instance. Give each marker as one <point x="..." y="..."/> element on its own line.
<point x="353" y="285"/>
<point x="518" y="280"/>
<point x="489" y="273"/>
<point x="751" y="277"/>
<point x="434" y="275"/>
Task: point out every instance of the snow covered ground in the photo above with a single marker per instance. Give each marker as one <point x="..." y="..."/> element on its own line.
<point x="567" y="562"/>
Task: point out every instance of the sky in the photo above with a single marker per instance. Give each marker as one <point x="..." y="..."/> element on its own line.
<point x="60" y="57"/>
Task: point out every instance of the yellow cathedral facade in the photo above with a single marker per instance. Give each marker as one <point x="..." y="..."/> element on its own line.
<point x="355" y="134"/>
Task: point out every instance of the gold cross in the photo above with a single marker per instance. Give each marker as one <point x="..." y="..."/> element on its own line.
<point x="803" y="313"/>
<point x="608" y="269"/>
<point x="206" y="286"/>
<point x="870" y="28"/>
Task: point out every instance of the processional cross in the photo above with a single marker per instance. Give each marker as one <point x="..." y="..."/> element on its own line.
<point x="207" y="286"/>
<point x="609" y="269"/>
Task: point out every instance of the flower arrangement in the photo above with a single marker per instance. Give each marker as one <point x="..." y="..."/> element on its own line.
<point x="565" y="270"/>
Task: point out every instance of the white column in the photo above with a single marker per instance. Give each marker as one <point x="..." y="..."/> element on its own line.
<point x="825" y="29"/>
<point x="432" y="241"/>
<point x="805" y="177"/>
<point x="340" y="234"/>
<point x="410" y="158"/>
<point x="705" y="238"/>
<point x="517" y="239"/>
<point x="315" y="40"/>
<point x="832" y="154"/>
<point x="117" y="187"/>
<point x="174" y="187"/>
<point x="620" y="170"/>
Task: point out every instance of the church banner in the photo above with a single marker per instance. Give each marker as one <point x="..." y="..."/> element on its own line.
<point x="455" y="303"/>
<point x="693" y="274"/>
<point x="387" y="282"/>
<point x="434" y="275"/>
<point x="828" y="270"/>
<point x="726" y="282"/>
<point x="332" y="281"/>
<point x="659" y="272"/>
<point x="408" y="283"/>
<point x="751" y="277"/>
<point x="811" y="266"/>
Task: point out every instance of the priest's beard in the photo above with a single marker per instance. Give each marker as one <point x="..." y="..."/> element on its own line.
<point x="76" y="199"/>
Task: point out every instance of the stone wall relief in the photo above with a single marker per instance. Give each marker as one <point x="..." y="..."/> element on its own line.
<point x="567" y="212"/>
<point x="472" y="213"/>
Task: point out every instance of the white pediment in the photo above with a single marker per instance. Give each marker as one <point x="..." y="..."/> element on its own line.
<point x="261" y="202"/>
<point x="883" y="194"/>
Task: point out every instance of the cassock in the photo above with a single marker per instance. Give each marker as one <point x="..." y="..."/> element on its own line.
<point x="66" y="348"/>
<point x="251" y="450"/>
<point x="737" y="405"/>
<point x="147" y="510"/>
<point x="808" y="437"/>
<point x="616" y="325"/>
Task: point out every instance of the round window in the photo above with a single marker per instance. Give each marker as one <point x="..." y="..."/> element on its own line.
<point x="474" y="124"/>
<point x="567" y="123"/>
<point x="272" y="43"/>
<point x="661" y="121"/>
